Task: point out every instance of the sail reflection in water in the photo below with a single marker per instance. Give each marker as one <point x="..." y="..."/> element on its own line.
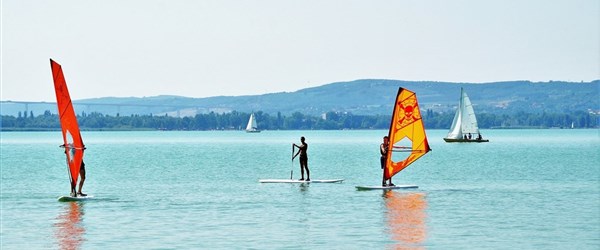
<point x="69" y="229"/>
<point x="406" y="219"/>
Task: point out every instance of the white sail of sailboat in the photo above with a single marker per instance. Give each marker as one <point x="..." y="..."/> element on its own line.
<point x="252" y="127"/>
<point x="464" y="126"/>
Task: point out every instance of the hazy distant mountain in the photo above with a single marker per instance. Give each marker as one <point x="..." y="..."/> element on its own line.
<point x="369" y="96"/>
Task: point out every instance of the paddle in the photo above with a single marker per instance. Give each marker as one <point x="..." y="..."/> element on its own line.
<point x="292" y="169"/>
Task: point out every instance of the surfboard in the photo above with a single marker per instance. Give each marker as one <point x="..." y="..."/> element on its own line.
<point x="386" y="187"/>
<point x="298" y="181"/>
<point x="78" y="198"/>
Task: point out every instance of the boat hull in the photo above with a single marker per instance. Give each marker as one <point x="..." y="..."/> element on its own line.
<point x="464" y="140"/>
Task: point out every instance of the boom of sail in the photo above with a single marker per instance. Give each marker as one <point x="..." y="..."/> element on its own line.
<point x="73" y="144"/>
<point x="408" y="141"/>
<point x="252" y="127"/>
<point x="464" y="126"/>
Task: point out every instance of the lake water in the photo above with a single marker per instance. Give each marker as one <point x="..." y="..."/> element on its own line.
<point x="528" y="189"/>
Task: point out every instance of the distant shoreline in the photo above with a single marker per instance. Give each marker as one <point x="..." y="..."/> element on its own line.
<point x="146" y="129"/>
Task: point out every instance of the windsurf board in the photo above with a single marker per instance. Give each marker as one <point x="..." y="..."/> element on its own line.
<point x="385" y="187"/>
<point x="71" y="198"/>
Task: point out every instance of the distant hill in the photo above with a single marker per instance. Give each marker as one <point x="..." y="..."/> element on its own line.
<point x="368" y="96"/>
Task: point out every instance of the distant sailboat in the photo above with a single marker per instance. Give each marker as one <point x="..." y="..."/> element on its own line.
<point x="464" y="126"/>
<point x="252" y="127"/>
<point x="73" y="144"/>
<point x="408" y="141"/>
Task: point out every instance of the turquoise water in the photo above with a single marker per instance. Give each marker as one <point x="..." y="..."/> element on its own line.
<point x="531" y="189"/>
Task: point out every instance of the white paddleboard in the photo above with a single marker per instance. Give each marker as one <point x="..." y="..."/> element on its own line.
<point x="78" y="198"/>
<point x="386" y="187"/>
<point x="297" y="181"/>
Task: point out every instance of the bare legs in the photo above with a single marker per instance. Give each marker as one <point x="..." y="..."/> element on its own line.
<point x="304" y="165"/>
<point x="81" y="181"/>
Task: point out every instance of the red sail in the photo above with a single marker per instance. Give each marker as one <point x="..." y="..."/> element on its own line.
<point x="408" y="141"/>
<point x="73" y="144"/>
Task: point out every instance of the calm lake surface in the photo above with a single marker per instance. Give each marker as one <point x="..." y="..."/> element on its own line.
<point x="529" y="189"/>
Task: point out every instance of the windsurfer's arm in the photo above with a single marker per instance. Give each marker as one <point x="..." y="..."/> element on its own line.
<point x="383" y="149"/>
<point x="295" y="155"/>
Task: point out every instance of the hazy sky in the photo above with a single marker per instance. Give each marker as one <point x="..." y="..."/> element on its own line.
<point x="224" y="47"/>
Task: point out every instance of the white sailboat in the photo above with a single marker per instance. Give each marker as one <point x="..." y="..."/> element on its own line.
<point x="252" y="127"/>
<point x="464" y="126"/>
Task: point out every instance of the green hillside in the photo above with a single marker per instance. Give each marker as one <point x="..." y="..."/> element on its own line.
<point x="368" y="96"/>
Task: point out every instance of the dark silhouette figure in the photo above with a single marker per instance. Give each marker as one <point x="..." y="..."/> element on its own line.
<point x="303" y="158"/>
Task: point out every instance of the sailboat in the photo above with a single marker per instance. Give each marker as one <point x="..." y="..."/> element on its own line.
<point x="464" y="126"/>
<point x="252" y="127"/>
<point x="408" y="141"/>
<point x="73" y="143"/>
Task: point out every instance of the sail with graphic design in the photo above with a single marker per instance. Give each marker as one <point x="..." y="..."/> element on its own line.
<point x="72" y="142"/>
<point x="464" y="125"/>
<point x="408" y="141"/>
<point x="407" y="134"/>
<point x="252" y="127"/>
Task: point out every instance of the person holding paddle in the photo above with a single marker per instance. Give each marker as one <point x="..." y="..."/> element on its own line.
<point x="303" y="158"/>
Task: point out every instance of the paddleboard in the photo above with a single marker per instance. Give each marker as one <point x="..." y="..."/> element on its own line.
<point x="386" y="187"/>
<point x="297" y="181"/>
<point x="78" y="198"/>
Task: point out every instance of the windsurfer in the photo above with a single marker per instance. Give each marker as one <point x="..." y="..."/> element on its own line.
<point x="303" y="158"/>
<point x="383" y="149"/>
<point x="81" y="179"/>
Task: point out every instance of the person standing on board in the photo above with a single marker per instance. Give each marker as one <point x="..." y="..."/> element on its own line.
<point x="383" y="149"/>
<point x="81" y="179"/>
<point x="303" y="158"/>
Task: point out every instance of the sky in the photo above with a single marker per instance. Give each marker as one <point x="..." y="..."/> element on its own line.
<point x="202" y="48"/>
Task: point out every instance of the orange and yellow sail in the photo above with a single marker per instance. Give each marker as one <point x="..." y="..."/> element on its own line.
<point x="407" y="133"/>
<point x="73" y="144"/>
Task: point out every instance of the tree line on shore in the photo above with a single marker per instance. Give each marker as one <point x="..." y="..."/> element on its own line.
<point x="296" y="121"/>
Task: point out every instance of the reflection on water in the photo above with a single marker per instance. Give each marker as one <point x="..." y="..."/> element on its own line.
<point x="406" y="219"/>
<point x="303" y="188"/>
<point x="68" y="228"/>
